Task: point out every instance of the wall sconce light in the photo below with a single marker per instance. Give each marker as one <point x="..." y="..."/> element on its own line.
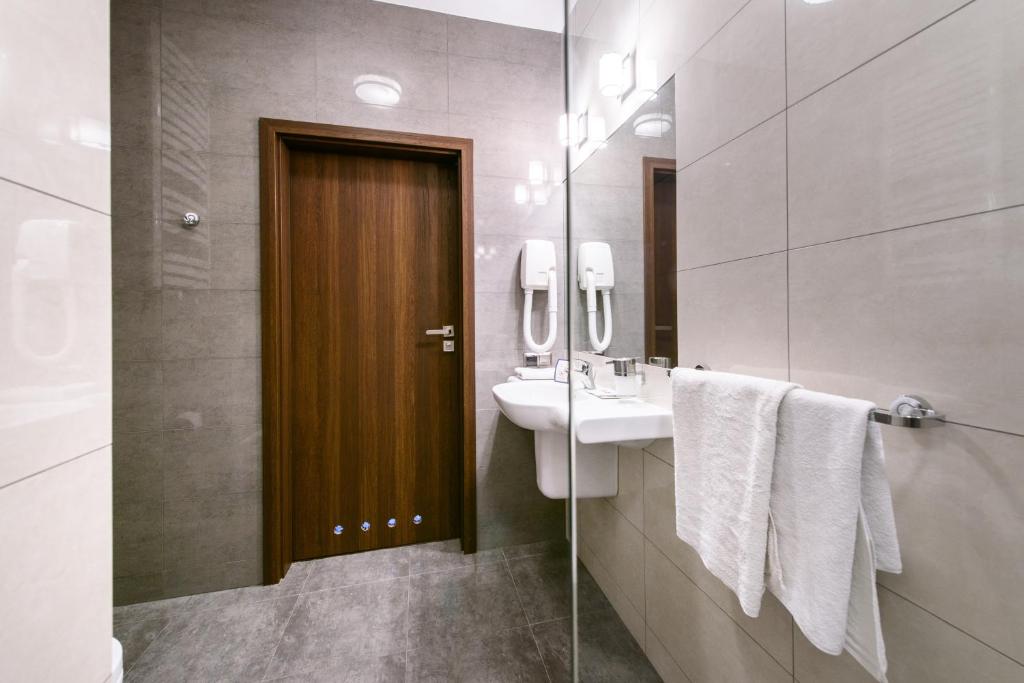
<point x="522" y="194"/>
<point x="567" y="129"/>
<point x="583" y="128"/>
<point x="609" y="74"/>
<point x="538" y="174"/>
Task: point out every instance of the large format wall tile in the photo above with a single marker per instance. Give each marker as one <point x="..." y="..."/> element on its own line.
<point x="55" y="350"/>
<point x="958" y="502"/>
<point x="211" y="392"/>
<point x="735" y="82"/>
<point x="772" y="629"/>
<point x="732" y="203"/>
<point x="236" y="53"/>
<point x="732" y="317"/>
<point x="56" y="567"/>
<point x="55" y="109"/>
<point x="503" y="90"/>
<point x="705" y="642"/>
<point x="472" y="38"/>
<point x="210" y="324"/>
<point x="957" y="344"/>
<point x="928" y="131"/>
<point x="616" y="543"/>
<point x="826" y="40"/>
<point x="919" y="647"/>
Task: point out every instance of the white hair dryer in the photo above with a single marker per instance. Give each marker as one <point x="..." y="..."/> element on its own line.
<point x="595" y="272"/>
<point x="537" y="272"/>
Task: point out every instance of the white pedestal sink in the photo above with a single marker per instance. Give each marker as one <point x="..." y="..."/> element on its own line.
<point x="601" y="426"/>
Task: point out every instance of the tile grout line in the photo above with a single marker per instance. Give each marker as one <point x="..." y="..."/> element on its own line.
<point x="529" y="624"/>
<point x="287" y="622"/>
<point x="53" y="196"/>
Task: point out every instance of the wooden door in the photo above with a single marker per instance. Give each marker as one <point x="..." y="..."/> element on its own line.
<point x="367" y="418"/>
<point x="660" y="258"/>
<point x="376" y="410"/>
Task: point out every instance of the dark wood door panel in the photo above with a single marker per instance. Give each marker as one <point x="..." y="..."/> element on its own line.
<point x="375" y="420"/>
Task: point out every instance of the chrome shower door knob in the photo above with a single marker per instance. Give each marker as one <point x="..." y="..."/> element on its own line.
<point x="191" y="219"/>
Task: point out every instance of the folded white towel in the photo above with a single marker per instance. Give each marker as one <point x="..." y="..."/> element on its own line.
<point x="832" y="523"/>
<point x="535" y="373"/>
<point x="724" y="427"/>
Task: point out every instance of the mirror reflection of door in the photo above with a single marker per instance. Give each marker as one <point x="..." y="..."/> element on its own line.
<point x="660" y="258"/>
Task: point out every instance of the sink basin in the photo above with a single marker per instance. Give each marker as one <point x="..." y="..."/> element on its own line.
<point x="543" y="405"/>
<point x="601" y="425"/>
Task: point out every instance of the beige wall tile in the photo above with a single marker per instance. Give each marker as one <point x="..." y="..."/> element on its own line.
<point x="56" y="566"/>
<point x="702" y="638"/>
<point x="734" y="82"/>
<point x="616" y="543"/>
<point x="732" y="203"/>
<point x="662" y="660"/>
<point x="920" y="134"/>
<point x="631" y="616"/>
<point x="958" y="346"/>
<point x="957" y="497"/>
<point x="919" y="647"/>
<point x="732" y="316"/>
<point x="826" y="40"/>
<point x="772" y="629"/>
<point x="630" y="498"/>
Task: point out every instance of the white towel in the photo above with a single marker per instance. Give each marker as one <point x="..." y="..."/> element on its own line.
<point x="724" y="427"/>
<point x="832" y="519"/>
<point x="535" y="373"/>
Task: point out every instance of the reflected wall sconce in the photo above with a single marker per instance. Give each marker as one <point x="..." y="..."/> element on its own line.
<point x="609" y="74"/>
<point x="567" y="130"/>
<point x="538" y="173"/>
<point x="627" y="80"/>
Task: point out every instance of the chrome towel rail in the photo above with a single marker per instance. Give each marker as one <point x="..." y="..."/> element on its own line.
<point x="908" y="410"/>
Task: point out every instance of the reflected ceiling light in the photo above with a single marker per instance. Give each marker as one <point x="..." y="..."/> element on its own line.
<point x="609" y="74"/>
<point x="540" y="196"/>
<point x="652" y="125"/>
<point x="379" y="90"/>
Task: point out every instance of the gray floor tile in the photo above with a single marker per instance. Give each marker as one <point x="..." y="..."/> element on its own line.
<point x="608" y="653"/>
<point x="558" y="547"/>
<point x="460" y="603"/>
<point x="510" y="655"/>
<point x="136" y="636"/>
<point x="356" y="568"/>
<point x="386" y="669"/>
<point x="444" y="555"/>
<point x="150" y="610"/>
<point x="291" y="584"/>
<point x="359" y="622"/>
<point x="232" y="644"/>
<point x="544" y="586"/>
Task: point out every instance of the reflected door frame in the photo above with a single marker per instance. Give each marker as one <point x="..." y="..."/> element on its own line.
<point x="653" y="167"/>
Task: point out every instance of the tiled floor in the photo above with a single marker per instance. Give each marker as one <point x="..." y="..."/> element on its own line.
<point x="420" y="613"/>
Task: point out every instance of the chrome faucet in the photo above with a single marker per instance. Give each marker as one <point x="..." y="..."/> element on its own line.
<point x="588" y="371"/>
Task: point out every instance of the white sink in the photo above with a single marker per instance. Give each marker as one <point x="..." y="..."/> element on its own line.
<point x="543" y="405"/>
<point x="601" y="425"/>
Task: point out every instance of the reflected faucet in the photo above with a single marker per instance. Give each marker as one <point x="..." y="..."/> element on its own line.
<point x="588" y="371"/>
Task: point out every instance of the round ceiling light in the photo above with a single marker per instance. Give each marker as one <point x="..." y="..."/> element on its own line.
<point x="379" y="90"/>
<point x="652" y="125"/>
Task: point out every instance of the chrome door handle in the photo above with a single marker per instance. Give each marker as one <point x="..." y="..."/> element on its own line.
<point x="445" y="331"/>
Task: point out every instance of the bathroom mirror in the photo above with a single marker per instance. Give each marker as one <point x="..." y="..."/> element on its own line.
<point x="623" y="195"/>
